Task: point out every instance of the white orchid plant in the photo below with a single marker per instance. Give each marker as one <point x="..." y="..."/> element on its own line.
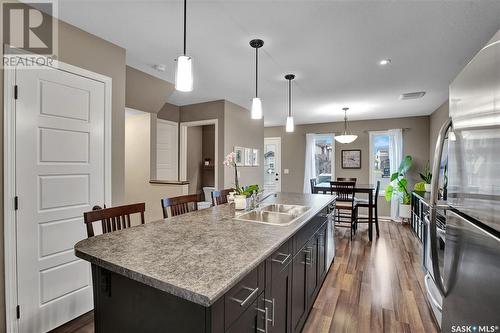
<point x="230" y="161"/>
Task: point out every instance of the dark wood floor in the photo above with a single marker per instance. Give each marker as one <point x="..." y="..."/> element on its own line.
<point x="371" y="287"/>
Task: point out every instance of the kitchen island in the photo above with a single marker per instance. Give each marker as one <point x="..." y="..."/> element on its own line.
<point x="208" y="272"/>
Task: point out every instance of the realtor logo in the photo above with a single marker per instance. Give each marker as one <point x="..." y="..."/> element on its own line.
<point x="29" y="27"/>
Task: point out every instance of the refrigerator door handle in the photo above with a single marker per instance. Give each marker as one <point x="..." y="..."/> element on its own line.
<point x="433" y="206"/>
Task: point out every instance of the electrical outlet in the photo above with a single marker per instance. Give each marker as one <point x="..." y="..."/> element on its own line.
<point x="286" y="171"/>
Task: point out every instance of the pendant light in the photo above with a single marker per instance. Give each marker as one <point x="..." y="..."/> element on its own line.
<point x="256" y="102"/>
<point x="289" y="119"/>
<point x="184" y="70"/>
<point x="347" y="136"/>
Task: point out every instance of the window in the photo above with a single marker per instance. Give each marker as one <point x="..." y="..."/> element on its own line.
<point x="380" y="160"/>
<point x="323" y="156"/>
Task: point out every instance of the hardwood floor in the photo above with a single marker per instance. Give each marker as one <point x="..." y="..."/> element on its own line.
<point x="374" y="287"/>
<point x="371" y="287"/>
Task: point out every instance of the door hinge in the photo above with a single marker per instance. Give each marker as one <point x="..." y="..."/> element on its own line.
<point x="18" y="312"/>
<point x="16" y="202"/>
<point x="15" y="91"/>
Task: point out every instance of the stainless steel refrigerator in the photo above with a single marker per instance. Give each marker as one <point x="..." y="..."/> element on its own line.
<point x="466" y="273"/>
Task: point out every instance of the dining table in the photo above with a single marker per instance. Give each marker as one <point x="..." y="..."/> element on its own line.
<point x="324" y="187"/>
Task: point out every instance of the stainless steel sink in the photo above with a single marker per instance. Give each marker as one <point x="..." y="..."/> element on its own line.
<point x="288" y="209"/>
<point x="274" y="214"/>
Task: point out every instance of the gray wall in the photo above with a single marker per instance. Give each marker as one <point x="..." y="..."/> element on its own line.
<point x="208" y="152"/>
<point x="415" y="141"/>
<point x="437" y="119"/>
<point x="169" y="112"/>
<point x="145" y="92"/>
<point x="241" y="130"/>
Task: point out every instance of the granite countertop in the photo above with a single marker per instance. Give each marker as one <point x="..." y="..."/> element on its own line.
<point x="196" y="256"/>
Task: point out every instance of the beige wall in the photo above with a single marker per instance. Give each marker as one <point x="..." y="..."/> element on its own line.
<point x="241" y="130"/>
<point x="145" y="92"/>
<point x="169" y="112"/>
<point x="415" y="140"/>
<point x="194" y="158"/>
<point x="437" y="119"/>
<point x="81" y="49"/>
<point x="137" y="169"/>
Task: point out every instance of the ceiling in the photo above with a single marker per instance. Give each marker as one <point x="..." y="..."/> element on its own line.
<point x="333" y="47"/>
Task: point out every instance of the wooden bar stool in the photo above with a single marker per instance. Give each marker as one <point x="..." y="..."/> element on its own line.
<point x="114" y="218"/>
<point x="363" y="203"/>
<point x="345" y="206"/>
<point x="180" y="205"/>
<point x="220" y="197"/>
<point x="314" y="182"/>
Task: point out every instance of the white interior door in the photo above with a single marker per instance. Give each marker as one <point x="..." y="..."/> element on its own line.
<point x="60" y="137"/>
<point x="167" y="138"/>
<point x="272" y="164"/>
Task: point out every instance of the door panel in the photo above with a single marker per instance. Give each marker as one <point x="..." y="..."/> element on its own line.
<point x="166" y="150"/>
<point x="272" y="164"/>
<point x="59" y="175"/>
<point x="298" y="288"/>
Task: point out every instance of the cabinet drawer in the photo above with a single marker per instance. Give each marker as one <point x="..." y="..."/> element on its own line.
<point x="242" y="295"/>
<point x="304" y="234"/>
<point x="280" y="258"/>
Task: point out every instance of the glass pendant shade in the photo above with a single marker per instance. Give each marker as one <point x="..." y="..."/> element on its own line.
<point x="346" y="138"/>
<point x="256" y="108"/>
<point x="184" y="74"/>
<point x="289" y="124"/>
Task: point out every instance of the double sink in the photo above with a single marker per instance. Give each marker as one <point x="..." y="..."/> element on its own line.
<point x="274" y="214"/>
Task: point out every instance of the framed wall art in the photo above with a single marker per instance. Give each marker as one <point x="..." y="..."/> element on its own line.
<point x="351" y="159"/>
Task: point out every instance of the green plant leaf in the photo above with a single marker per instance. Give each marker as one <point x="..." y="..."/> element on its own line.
<point x="405" y="165"/>
<point x="394" y="176"/>
<point x="419" y="187"/>
<point x="388" y="192"/>
<point x="403" y="182"/>
<point x="406" y="199"/>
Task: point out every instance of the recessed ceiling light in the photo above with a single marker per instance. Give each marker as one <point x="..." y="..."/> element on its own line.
<point x="384" y="62"/>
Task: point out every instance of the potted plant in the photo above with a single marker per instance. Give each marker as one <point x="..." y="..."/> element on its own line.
<point x="398" y="187"/>
<point x="426" y="176"/>
<point x="241" y="193"/>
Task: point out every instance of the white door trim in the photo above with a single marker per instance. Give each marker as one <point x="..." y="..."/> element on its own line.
<point x="10" y="258"/>
<point x="183" y="147"/>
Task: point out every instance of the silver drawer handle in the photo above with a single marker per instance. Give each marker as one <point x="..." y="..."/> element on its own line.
<point x="266" y="315"/>
<point x="272" y="303"/>
<point x="287" y="256"/>
<point x="249" y="297"/>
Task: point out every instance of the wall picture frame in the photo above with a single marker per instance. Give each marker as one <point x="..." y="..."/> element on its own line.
<point x="239" y="156"/>
<point x="351" y="159"/>
<point x="248" y="157"/>
<point x="255" y="157"/>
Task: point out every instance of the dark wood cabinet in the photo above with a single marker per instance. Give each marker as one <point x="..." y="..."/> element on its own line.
<point x="322" y="254"/>
<point x="299" y="288"/>
<point x="311" y="267"/>
<point x="274" y="297"/>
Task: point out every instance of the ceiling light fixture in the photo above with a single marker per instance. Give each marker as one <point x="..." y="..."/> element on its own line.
<point x="256" y="102"/>
<point x="184" y="71"/>
<point x="384" y="62"/>
<point x="289" y="119"/>
<point x="347" y="136"/>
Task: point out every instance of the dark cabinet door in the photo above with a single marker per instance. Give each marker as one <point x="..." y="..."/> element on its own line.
<point x="281" y="297"/>
<point x="298" y="288"/>
<point x="321" y="254"/>
<point x="311" y="250"/>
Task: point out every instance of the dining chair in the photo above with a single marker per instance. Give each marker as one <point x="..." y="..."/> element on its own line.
<point x="341" y="179"/>
<point x="179" y="205"/>
<point x="363" y="203"/>
<point x="314" y="182"/>
<point x="113" y="218"/>
<point x="220" y="197"/>
<point x="345" y="206"/>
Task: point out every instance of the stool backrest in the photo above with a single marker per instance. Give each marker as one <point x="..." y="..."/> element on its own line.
<point x="180" y="205"/>
<point x="114" y="218"/>
<point x="343" y="189"/>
